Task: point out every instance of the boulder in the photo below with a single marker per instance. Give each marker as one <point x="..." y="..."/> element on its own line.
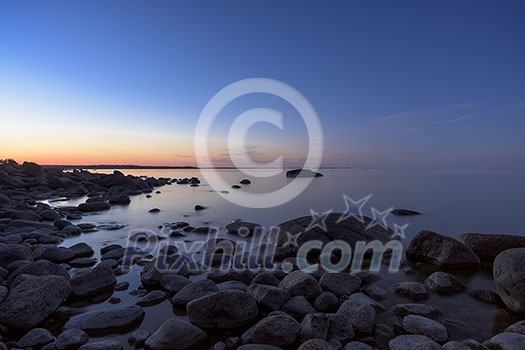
<point x="424" y="310"/>
<point x="340" y="329"/>
<point x="103" y="345"/>
<point x="194" y="291"/>
<point x="419" y="342"/>
<point x="486" y="296"/>
<point x="301" y="283"/>
<point x="340" y="283"/>
<point x="302" y="173"/>
<point x="488" y="246"/>
<point x="114" y="320"/>
<point x="509" y="276"/>
<point x="175" y="334"/>
<point x="99" y="280"/>
<point x="268" y="296"/>
<point x="360" y="316"/>
<point x="326" y="302"/>
<point x="32" y="299"/>
<point x="224" y="309"/>
<point x="243" y="228"/>
<point x="39" y="268"/>
<point x="10" y="253"/>
<point x="71" y="339"/>
<point x="173" y="283"/>
<point x="58" y="254"/>
<point x="518" y="327"/>
<point x="152" y="298"/>
<point x="298" y="307"/>
<point x="444" y="283"/>
<point x="94" y="207"/>
<point x="412" y="290"/>
<point x="419" y="325"/>
<point x="82" y="250"/>
<point x="444" y="252"/>
<point x="277" y="329"/>
<point x="314" y="326"/>
<point x="506" y="341"/>
<point x="35" y="338"/>
<point x="316" y="344"/>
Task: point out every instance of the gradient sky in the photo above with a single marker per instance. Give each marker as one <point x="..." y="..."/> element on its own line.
<point x="396" y="84"/>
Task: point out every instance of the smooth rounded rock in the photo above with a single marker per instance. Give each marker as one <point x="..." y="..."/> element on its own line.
<point x="175" y="334"/>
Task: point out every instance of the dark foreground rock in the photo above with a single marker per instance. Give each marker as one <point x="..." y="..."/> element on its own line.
<point x="278" y="329"/>
<point x="488" y="246"/>
<point x="98" y="280"/>
<point x="32" y="299"/>
<point x="175" y="334"/>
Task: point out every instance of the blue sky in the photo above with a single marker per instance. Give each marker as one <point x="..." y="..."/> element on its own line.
<point x="408" y="83"/>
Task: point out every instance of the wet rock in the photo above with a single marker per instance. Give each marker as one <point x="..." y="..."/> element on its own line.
<point x="355" y="345"/>
<point x="10" y="253"/>
<point x="103" y="345"/>
<point x="268" y="296"/>
<point x="82" y="250"/>
<point x="194" y="291"/>
<point x="474" y="345"/>
<point x="35" y="338"/>
<point x="405" y="212"/>
<point x="119" y="199"/>
<point x="316" y="344"/>
<point x="419" y="342"/>
<point x="445" y="252"/>
<point x="138" y="338"/>
<point x="518" y="327"/>
<point x="298" y="307"/>
<point x="39" y="268"/>
<point x="243" y="228"/>
<point x="444" y="283"/>
<point x="151" y="274"/>
<point x="99" y="280"/>
<point x="455" y="345"/>
<point x="3" y="293"/>
<point x="302" y="173"/>
<point x="258" y="347"/>
<point x="340" y="329"/>
<point x="218" y="276"/>
<point x="71" y="339"/>
<point x="109" y="321"/>
<point x="83" y="262"/>
<point x="419" y="325"/>
<point x="301" y="283"/>
<point x="152" y="298"/>
<point x="506" y="341"/>
<point x="326" y="302"/>
<point x="365" y="299"/>
<point x="412" y="290"/>
<point x="245" y="182"/>
<point x="375" y="292"/>
<point x="235" y="285"/>
<point x="224" y="309"/>
<point x="199" y="207"/>
<point x="340" y="283"/>
<point x="266" y="278"/>
<point x="175" y="334"/>
<point x="277" y="329"/>
<point x="488" y="246"/>
<point x="424" y="310"/>
<point x="93" y="207"/>
<point x="58" y="254"/>
<point x="173" y="283"/>
<point x="509" y="276"/>
<point x="20" y="310"/>
<point x="314" y="326"/>
<point x="359" y="315"/>
<point x="486" y="296"/>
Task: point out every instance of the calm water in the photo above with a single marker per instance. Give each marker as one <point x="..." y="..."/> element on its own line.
<point x="452" y="202"/>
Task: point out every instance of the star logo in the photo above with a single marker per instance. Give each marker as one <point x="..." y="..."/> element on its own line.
<point x="379" y="217"/>
<point x="351" y="207"/>
<point x="399" y="231"/>
<point x="291" y="240"/>
<point x="318" y="220"/>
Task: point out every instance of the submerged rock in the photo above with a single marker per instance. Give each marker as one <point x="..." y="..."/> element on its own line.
<point x="115" y="320"/>
<point x="303" y="173"/>
<point x="444" y="283"/>
<point x="71" y="339"/>
<point x="175" y="334"/>
<point x="506" y="341"/>
<point x="419" y="325"/>
<point x="98" y="280"/>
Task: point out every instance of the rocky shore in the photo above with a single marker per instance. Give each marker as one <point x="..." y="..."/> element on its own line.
<point x="40" y="279"/>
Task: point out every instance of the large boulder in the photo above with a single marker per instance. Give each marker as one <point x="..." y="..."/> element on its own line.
<point x="268" y="296"/>
<point x="14" y="252"/>
<point x="98" y="280"/>
<point x="444" y="283"/>
<point x="506" y="341"/>
<point x="109" y="321"/>
<point x="39" y="268"/>
<point x="93" y="207"/>
<point x="361" y="316"/>
<point x="509" y="276"/>
<point x="301" y="283"/>
<point x="488" y="246"/>
<point x="32" y="299"/>
<point x="224" y="309"/>
<point x="194" y="291"/>
<point x="278" y="329"/>
<point x="420" y="325"/>
<point x="175" y="334"/>
<point x="340" y="283"/>
<point x="444" y="252"/>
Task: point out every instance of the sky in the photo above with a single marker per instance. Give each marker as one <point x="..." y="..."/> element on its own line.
<point x="395" y="84"/>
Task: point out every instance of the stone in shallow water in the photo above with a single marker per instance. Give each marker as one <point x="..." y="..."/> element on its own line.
<point x="35" y="338"/>
<point x="506" y="341"/>
<point x="340" y="283"/>
<point x="486" y="296"/>
<point x="270" y="297"/>
<point x="412" y="290"/>
<point x="82" y="250"/>
<point x="424" y="310"/>
<point x="243" y="228"/>
<point x="518" y="327"/>
<point x="194" y="291"/>
<point x="224" y="309"/>
<point x="488" y="246"/>
<point x="355" y="345"/>
<point x="138" y="338"/>
<point x="455" y="345"/>
<point x="444" y="283"/>
<point x="20" y="309"/>
<point x="103" y="345"/>
<point x="301" y="283"/>
<point x="71" y="339"/>
<point x="98" y="280"/>
<point x="39" y="268"/>
<point x="175" y="334"/>
<point x="316" y="344"/>
<point x="115" y="320"/>
<point x="152" y="298"/>
<point x="278" y="329"/>
<point x="509" y="276"/>
<point x="361" y="316"/>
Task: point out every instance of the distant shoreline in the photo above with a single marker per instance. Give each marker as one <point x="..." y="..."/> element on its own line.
<point x="166" y="167"/>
